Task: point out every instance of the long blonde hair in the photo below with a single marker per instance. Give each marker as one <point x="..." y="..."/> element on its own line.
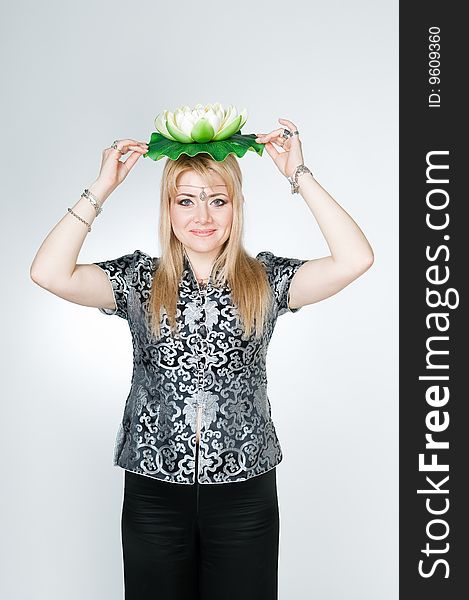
<point x="250" y="290"/>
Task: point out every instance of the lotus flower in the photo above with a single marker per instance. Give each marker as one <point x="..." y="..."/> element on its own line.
<point x="201" y="124"/>
<point x="208" y="129"/>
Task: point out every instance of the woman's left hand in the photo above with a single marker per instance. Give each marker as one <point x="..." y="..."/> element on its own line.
<point x="292" y="156"/>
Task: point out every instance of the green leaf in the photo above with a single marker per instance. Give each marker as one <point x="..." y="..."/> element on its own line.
<point x="237" y="144"/>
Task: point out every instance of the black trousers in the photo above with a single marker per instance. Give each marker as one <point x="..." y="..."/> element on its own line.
<point x="201" y="541"/>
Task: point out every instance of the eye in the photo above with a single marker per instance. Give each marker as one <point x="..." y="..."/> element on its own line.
<point x="213" y="201"/>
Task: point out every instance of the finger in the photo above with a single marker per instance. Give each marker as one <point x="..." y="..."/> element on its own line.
<point x="121" y="150"/>
<point x="272" y="151"/>
<point x="267" y="137"/>
<point x="292" y="128"/>
<point x="129" y="142"/>
<point x="280" y="139"/>
<point x="130" y="161"/>
<point x="129" y="147"/>
<point x="289" y="124"/>
<point x="123" y="145"/>
<point x="137" y="147"/>
<point x="281" y="143"/>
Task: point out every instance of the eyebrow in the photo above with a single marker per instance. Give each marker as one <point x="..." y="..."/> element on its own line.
<point x="197" y="195"/>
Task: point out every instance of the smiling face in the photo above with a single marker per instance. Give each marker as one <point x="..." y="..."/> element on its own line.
<point x="202" y="226"/>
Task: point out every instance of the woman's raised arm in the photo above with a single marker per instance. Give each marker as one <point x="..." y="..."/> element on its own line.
<point x="351" y="254"/>
<point x="54" y="267"/>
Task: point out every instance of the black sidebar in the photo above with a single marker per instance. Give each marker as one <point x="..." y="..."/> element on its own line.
<point x="434" y="238"/>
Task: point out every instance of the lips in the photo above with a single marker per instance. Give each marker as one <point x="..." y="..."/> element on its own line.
<point x="202" y="232"/>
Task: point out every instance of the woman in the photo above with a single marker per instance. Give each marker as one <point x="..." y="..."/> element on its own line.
<point x="201" y="316"/>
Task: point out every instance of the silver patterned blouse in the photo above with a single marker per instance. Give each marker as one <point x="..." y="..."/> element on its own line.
<point x="207" y="380"/>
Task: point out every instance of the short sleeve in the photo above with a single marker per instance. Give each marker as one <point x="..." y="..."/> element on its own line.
<point x="119" y="272"/>
<point x="280" y="271"/>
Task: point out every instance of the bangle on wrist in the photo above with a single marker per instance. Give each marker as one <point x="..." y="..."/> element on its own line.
<point x="94" y="201"/>
<point x="300" y="170"/>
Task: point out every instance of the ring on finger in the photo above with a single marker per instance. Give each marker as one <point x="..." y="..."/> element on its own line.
<point x="288" y="134"/>
<point x="114" y="145"/>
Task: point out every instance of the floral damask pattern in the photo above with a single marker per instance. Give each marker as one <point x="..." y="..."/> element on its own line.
<point x="206" y="368"/>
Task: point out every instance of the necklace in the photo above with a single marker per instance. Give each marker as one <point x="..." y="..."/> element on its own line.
<point x="202" y="282"/>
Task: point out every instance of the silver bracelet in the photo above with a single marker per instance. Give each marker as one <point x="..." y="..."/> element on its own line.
<point x="79" y="218"/>
<point x="94" y="201"/>
<point x="300" y="170"/>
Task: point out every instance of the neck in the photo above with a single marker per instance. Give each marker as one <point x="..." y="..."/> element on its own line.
<point x="202" y="264"/>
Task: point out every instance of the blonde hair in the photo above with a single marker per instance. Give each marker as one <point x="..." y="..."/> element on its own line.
<point x="250" y="290"/>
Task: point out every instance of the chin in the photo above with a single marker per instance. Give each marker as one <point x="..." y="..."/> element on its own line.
<point x="203" y="244"/>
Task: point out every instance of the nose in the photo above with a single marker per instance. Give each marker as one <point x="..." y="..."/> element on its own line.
<point x="203" y="213"/>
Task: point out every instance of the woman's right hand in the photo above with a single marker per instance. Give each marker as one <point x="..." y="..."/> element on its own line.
<point x="113" y="171"/>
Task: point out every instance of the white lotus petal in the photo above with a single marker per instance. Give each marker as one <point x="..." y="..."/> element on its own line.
<point x="223" y="118"/>
<point x="174" y="125"/>
<point x="160" y="124"/>
<point x="178" y="117"/>
<point x="186" y="125"/>
<point x="231" y="114"/>
<point x="197" y="113"/>
<point x="220" y="114"/>
<point x="213" y="119"/>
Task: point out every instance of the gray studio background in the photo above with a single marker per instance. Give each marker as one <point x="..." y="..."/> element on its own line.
<point x="76" y="76"/>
